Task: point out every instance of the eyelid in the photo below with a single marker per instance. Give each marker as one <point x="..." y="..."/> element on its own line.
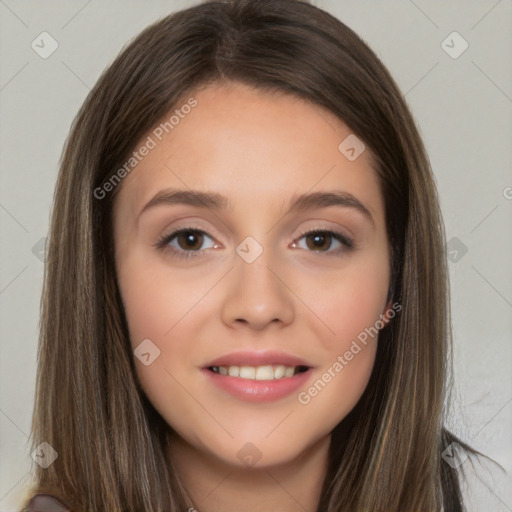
<point x="347" y="241"/>
<point x="189" y="225"/>
<point x="163" y="243"/>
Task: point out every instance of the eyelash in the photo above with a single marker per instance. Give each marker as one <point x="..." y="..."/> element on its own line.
<point x="163" y="243"/>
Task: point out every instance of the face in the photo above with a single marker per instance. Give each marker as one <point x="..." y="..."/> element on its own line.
<point x="252" y="255"/>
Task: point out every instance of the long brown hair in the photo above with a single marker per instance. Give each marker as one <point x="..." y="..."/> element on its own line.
<point x="111" y="443"/>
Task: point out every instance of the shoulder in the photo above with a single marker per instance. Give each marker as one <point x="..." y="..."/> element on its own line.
<point x="45" y="503"/>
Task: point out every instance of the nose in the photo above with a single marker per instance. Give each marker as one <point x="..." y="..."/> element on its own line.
<point x="257" y="296"/>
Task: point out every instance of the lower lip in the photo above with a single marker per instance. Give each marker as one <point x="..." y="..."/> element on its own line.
<point x="258" y="390"/>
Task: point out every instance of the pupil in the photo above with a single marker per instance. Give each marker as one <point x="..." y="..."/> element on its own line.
<point x="191" y="240"/>
<point x="319" y="239"/>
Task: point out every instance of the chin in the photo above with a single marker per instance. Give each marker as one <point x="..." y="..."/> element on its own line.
<point x="257" y="451"/>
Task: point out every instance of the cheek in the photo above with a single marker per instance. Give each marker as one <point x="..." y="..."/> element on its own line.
<point x="164" y="307"/>
<point x="148" y="310"/>
<point x="157" y="301"/>
<point x="349" y="304"/>
<point x="336" y="389"/>
<point x="350" y="307"/>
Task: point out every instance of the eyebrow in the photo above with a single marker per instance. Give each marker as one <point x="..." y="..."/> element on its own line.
<point x="298" y="202"/>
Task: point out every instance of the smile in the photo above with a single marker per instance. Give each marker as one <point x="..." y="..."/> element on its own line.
<point x="268" y="372"/>
<point x="258" y="376"/>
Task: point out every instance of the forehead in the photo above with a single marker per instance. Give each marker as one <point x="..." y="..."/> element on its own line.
<point x="251" y="145"/>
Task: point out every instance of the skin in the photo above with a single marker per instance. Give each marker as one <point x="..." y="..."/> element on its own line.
<point x="258" y="149"/>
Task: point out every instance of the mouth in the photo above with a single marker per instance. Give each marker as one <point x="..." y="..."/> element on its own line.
<point x="258" y="376"/>
<point x="261" y="373"/>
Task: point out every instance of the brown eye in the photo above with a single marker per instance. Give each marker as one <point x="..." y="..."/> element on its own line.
<point x="190" y="240"/>
<point x="325" y="241"/>
<point x="186" y="242"/>
<point x="319" y="241"/>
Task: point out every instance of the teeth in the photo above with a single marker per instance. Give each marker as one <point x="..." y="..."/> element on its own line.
<point x="288" y="372"/>
<point x="268" y="372"/>
<point x="264" y="373"/>
<point x="279" y="371"/>
<point x="247" y="372"/>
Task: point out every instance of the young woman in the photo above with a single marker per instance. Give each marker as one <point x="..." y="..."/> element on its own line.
<point x="245" y="300"/>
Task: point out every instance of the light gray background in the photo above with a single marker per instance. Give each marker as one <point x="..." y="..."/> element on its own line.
<point x="464" y="110"/>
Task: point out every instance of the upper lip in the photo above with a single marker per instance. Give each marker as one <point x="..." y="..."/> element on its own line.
<point x="245" y="358"/>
